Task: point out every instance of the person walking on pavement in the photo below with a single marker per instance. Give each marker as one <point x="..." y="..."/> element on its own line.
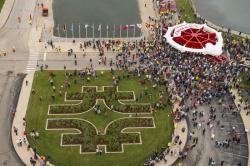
<point x="19" y="19"/>
<point x="32" y="161"/>
<point x="15" y="130"/>
<point x="203" y="131"/>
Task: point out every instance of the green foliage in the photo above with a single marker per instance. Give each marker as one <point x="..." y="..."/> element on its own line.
<point x="109" y="95"/>
<point x="245" y="81"/>
<point x="49" y="142"/>
<point x="186" y="11"/>
<point x="1" y="4"/>
<point x="89" y="139"/>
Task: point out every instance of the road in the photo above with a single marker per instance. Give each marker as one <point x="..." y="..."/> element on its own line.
<point x="8" y="100"/>
<point x="12" y="34"/>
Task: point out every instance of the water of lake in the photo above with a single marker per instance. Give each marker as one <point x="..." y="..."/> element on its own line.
<point x="233" y="14"/>
<point x="110" y="14"/>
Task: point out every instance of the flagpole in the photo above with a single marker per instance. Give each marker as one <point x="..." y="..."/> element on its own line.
<point x="107" y="31"/>
<point x="127" y="31"/>
<point x="79" y="30"/>
<point x="58" y="31"/>
<point x="72" y="30"/>
<point x="141" y="31"/>
<point x="93" y="31"/>
<point x="100" y="31"/>
<point x="86" y="31"/>
<point x="120" y="31"/>
<point x="114" y="31"/>
<point x="134" y="31"/>
<point x="66" y="30"/>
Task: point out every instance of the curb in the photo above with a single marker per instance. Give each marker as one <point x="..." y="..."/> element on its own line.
<point x="21" y="109"/>
<point x="23" y="155"/>
<point x="12" y="118"/>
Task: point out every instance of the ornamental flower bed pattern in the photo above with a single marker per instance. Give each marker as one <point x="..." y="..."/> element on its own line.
<point x="88" y="138"/>
<point x="110" y="95"/>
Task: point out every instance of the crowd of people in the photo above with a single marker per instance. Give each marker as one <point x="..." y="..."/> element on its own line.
<point x="189" y="76"/>
<point x="196" y="78"/>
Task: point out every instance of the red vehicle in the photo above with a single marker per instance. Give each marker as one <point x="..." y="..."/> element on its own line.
<point x="45" y="12"/>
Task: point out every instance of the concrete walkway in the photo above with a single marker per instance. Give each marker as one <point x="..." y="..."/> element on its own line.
<point x="5" y="12"/>
<point x="245" y="118"/>
<point x="22" y="105"/>
<point x="176" y="148"/>
<point x="18" y="121"/>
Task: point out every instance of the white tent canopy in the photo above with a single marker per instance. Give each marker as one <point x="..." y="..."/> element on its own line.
<point x="196" y="38"/>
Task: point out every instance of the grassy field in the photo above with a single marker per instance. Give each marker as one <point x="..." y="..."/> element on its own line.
<point x="185" y="10"/>
<point x="245" y="83"/>
<point x="1" y="4"/>
<point x="49" y="142"/>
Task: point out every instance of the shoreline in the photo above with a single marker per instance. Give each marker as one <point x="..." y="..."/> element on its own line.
<point x="217" y="27"/>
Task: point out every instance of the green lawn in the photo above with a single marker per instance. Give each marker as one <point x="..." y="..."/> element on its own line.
<point x="49" y="142"/>
<point x="1" y="4"/>
<point x="245" y="83"/>
<point x="185" y="10"/>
